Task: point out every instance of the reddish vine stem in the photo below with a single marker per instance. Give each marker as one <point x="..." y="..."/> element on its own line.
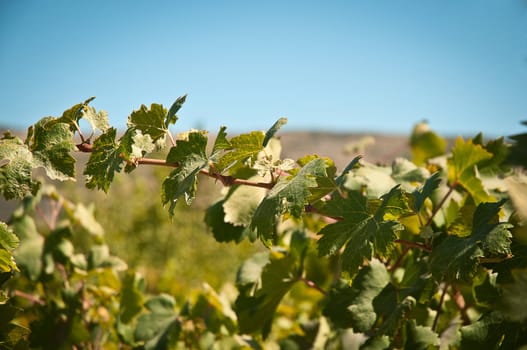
<point x="417" y="245"/>
<point x="439" y="307"/>
<point x="399" y="260"/>
<point x="27" y="296"/>
<point x="224" y="179"/>
<point x="313" y="285"/>
<point x="461" y="305"/>
<point x="451" y="189"/>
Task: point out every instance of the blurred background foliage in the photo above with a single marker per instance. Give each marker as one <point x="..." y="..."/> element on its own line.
<point x="175" y="256"/>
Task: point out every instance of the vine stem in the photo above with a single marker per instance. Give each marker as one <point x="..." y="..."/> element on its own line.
<point x="224" y="179"/>
<point x="461" y="305"/>
<point x="313" y="285"/>
<point x="451" y="189"/>
<point x="417" y="245"/>
<point x="27" y="296"/>
<point x="439" y="307"/>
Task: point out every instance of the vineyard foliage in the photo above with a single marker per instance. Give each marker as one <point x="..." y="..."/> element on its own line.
<point x="427" y="253"/>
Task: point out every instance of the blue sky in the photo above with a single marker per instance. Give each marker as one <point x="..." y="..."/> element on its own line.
<point x="346" y="66"/>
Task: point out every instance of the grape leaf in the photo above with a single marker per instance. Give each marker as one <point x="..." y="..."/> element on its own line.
<point x="514" y="296"/>
<point x="260" y="294"/>
<point x="457" y="258"/>
<point x="8" y="242"/>
<point x="149" y="121"/>
<point x="222" y="230"/>
<point x="220" y="144"/>
<point x="160" y="328"/>
<point x="51" y="144"/>
<point x="190" y="157"/>
<point x="392" y="323"/>
<point x="104" y="161"/>
<point x="244" y="147"/>
<point x="462" y="169"/>
<point x="241" y="203"/>
<point x="142" y="144"/>
<point x="420" y="337"/>
<point x="363" y="230"/>
<point x="171" y="116"/>
<point x="214" y="310"/>
<point x="424" y="192"/>
<point x="490" y="332"/>
<point x="425" y="144"/>
<point x="352" y="306"/>
<point x="97" y="120"/>
<point x="273" y="130"/>
<point x="288" y="195"/>
<point x="72" y="115"/>
<point x="351" y="165"/>
<point x="16" y="163"/>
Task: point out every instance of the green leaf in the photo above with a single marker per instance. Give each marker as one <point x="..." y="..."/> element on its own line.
<point x="244" y="147"/>
<point x="131" y="302"/>
<point x="222" y="230"/>
<point x="462" y="167"/>
<point x="51" y="144"/>
<point x="362" y="229"/>
<point x="457" y="258"/>
<point x="86" y="218"/>
<point x="160" y="328"/>
<point x="104" y="161"/>
<point x="220" y="144"/>
<point x="260" y="294"/>
<point x="273" y="130"/>
<point x="241" y="204"/>
<point x="490" y="332"/>
<point x="289" y="195"/>
<point x="421" y="194"/>
<point x="29" y="253"/>
<point x="16" y="163"/>
<point x="149" y="121"/>
<point x="8" y="242"/>
<point x="352" y="306"/>
<point x="394" y="319"/>
<point x="190" y="156"/>
<point x="215" y="311"/>
<point x="425" y="144"/>
<point x="514" y="296"/>
<point x="351" y="165"/>
<point x="171" y="116"/>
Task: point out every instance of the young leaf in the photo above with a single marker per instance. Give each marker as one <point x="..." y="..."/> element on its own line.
<point x="462" y="169"/>
<point x="363" y="232"/>
<point x="51" y="144"/>
<point x="273" y="130"/>
<point x="352" y="306"/>
<point x="257" y="301"/>
<point x="351" y="165"/>
<point x="288" y="195"/>
<point x="244" y="147"/>
<point x="490" y="332"/>
<point x="457" y="258"/>
<point x="97" y="120"/>
<point x="104" y="161"/>
<point x="72" y="115"/>
<point x="425" y="144"/>
<point x="171" y="116"/>
<point x="220" y="144"/>
<point x="421" y="194"/>
<point x="16" y="164"/>
<point x="149" y="121"/>
<point x="8" y="242"/>
<point x="191" y="157"/>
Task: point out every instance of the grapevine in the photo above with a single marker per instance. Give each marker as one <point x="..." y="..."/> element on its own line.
<point x="424" y="253"/>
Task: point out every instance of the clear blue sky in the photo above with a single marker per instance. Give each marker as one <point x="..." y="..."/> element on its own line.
<point x="347" y="66"/>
